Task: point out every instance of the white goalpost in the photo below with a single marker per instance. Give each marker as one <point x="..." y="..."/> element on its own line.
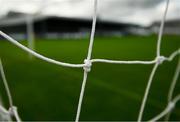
<point x="30" y="27"/>
<point x="30" y="33"/>
<point x="88" y="62"/>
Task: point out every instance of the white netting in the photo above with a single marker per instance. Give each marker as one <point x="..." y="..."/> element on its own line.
<point x="88" y="62"/>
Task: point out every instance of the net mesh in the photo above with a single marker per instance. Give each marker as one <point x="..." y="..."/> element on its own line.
<point x="88" y="62"/>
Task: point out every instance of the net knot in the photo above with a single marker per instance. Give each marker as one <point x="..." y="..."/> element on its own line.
<point x="160" y="59"/>
<point x="87" y="66"/>
<point x="13" y="110"/>
<point x="171" y="105"/>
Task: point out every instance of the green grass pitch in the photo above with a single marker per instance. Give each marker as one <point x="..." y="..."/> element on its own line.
<point x="44" y="91"/>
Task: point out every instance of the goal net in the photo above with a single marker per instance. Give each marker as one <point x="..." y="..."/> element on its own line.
<point x="87" y="64"/>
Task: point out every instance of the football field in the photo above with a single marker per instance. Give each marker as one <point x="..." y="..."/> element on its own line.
<point x="114" y="92"/>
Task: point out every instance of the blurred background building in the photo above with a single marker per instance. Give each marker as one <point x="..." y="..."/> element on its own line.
<point x="72" y="18"/>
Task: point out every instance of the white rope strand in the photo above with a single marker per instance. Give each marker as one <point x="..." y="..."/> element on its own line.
<point x="13" y="111"/>
<point x="161" y="29"/>
<point x="173" y="55"/>
<point x="168" y="109"/>
<point x="87" y="62"/>
<point x="122" y="62"/>
<point x="6" y="85"/>
<point x="3" y="110"/>
<point x="176" y="99"/>
<point x="163" y="113"/>
<point x="172" y="87"/>
<point x="81" y="96"/>
<point x="38" y="55"/>
<point x="156" y="65"/>
<point x="82" y="65"/>
<point x="174" y="81"/>
<point x="170" y="58"/>
<point x="147" y="92"/>
<point x="92" y="31"/>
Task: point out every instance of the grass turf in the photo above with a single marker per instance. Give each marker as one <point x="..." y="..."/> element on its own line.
<point x="44" y="91"/>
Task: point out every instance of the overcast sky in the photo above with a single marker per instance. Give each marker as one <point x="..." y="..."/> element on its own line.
<point x="142" y="12"/>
